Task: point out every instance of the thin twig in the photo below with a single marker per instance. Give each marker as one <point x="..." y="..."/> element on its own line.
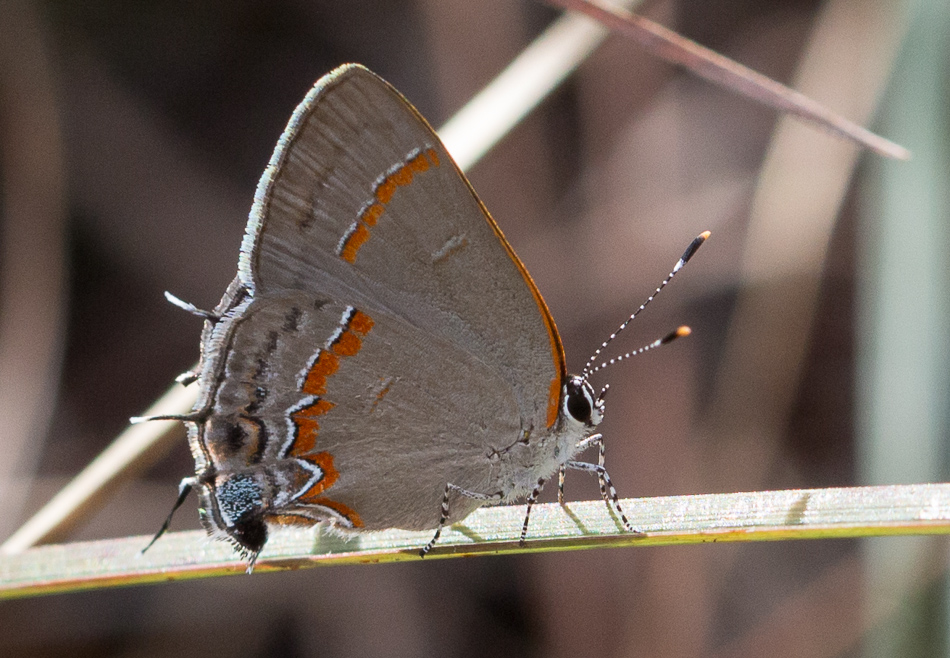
<point x="133" y="450"/>
<point x="760" y="516"/>
<point x="724" y="72"/>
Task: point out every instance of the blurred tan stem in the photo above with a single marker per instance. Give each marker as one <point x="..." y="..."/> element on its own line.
<point x="513" y="94"/>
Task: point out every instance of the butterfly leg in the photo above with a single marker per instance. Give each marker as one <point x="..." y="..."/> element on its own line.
<point x="184" y="488"/>
<point x="532" y="499"/>
<point x="607" y="491"/>
<point x="581" y="446"/>
<point x="444" y="517"/>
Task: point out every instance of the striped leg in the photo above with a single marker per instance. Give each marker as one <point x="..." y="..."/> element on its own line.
<point x="532" y="499"/>
<point x="582" y="445"/>
<point x="605" y="486"/>
<point x="450" y="488"/>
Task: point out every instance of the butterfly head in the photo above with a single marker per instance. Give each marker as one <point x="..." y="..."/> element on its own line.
<point x="580" y="404"/>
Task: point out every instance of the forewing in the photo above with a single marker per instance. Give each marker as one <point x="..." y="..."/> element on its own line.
<point x="362" y="203"/>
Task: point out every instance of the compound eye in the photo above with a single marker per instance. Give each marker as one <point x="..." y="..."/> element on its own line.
<point x="578" y="406"/>
<point x="579" y="401"/>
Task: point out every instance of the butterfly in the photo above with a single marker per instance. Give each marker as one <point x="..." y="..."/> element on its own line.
<point x="382" y="359"/>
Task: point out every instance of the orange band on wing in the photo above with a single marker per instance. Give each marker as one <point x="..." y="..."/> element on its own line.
<point x="361" y="323"/>
<point x="385" y="191"/>
<point x="324" y="461"/>
<point x="402" y="176"/>
<point x="307" y="427"/>
<point x="306" y="439"/>
<point x="326" y="364"/>
<point x="346" y="341"/>
<point x="419" y="163"/>
<point x="318" y="408"/>
<point x="372" y="214"/>
<point x="353" y="242"/>
<point x="348" y="344"/>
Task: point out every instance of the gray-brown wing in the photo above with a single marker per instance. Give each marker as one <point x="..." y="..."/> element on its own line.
<point x="362" y="203"/>
<point x="359" y="416"/>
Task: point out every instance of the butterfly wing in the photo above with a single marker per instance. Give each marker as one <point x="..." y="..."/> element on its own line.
<point x="340" y="413"/>
<point x="362" y="203"/>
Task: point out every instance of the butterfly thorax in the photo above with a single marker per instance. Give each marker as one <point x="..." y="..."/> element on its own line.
<point x="542" y="453"/>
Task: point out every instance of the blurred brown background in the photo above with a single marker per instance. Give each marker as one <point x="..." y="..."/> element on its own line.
<point x="133" y="135"/>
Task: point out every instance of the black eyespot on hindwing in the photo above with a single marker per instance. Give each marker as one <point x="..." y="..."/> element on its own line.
<point x="250" y="532"/>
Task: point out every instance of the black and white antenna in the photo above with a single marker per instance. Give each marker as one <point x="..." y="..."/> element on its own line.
<point x="673" y="335"/>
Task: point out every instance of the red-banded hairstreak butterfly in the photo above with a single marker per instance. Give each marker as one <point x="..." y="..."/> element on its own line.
<point x="382" y="359"/>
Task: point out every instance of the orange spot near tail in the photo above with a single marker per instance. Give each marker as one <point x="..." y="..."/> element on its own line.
<point x="324" y="461"/>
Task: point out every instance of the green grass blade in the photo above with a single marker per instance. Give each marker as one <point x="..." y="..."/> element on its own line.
<point x="758" y="516"/>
